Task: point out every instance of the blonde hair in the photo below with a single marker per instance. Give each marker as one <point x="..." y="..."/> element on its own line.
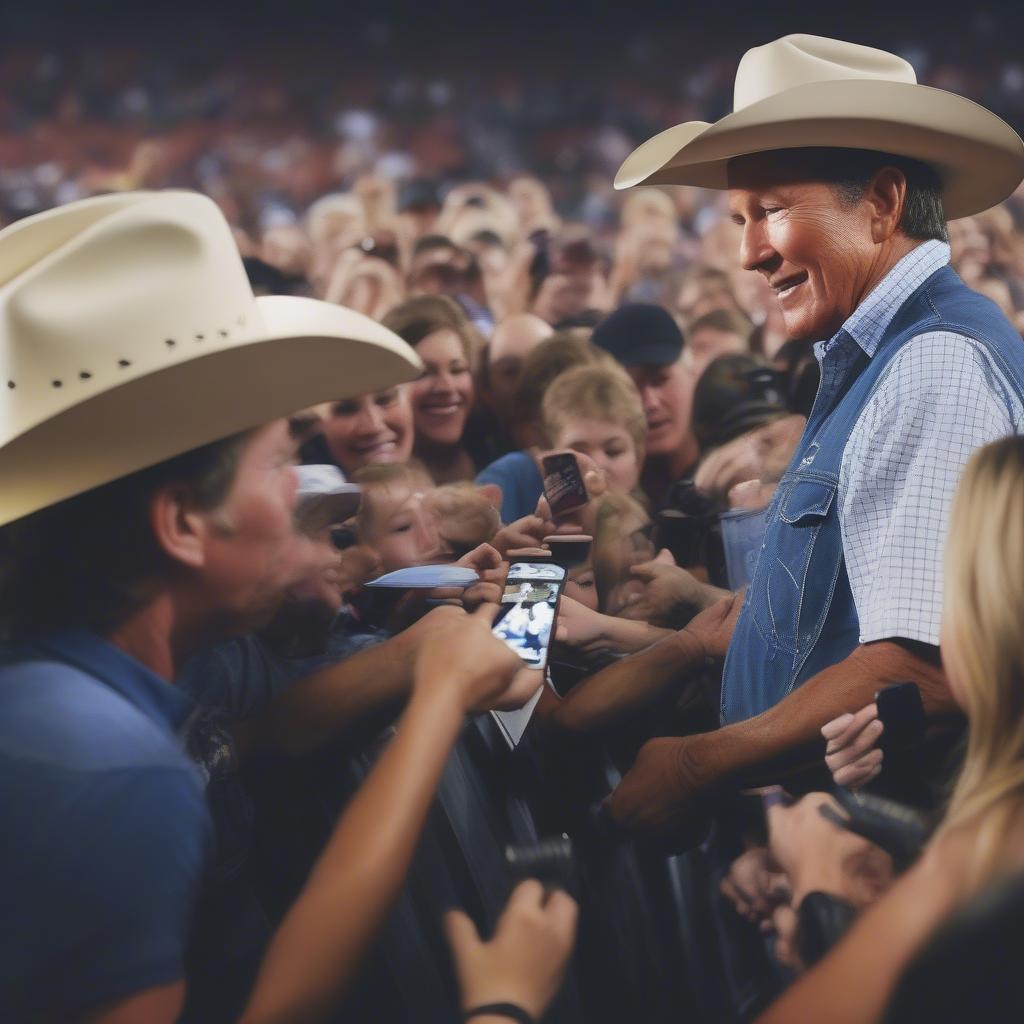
<point x="982" y="615"/>
<point x="597" y="392"/>
<point x="378" y="478"/>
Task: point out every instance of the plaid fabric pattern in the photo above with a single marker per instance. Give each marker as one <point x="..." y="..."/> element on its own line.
<point x="941" y="397"/>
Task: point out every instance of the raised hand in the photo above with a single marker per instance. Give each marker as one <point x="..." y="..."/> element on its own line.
<point x="524" y="962"/>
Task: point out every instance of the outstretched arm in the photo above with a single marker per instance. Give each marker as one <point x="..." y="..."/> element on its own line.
<point x="316" y="950"/>
<point x="669" y="776"/>
<point x="632" y="684"/>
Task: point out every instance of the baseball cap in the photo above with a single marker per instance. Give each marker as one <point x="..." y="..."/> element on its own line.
<point x="640" y="334"/>
<point x="324" y="498"/>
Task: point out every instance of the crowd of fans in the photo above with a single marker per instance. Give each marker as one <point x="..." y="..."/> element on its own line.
<point x="549" y="315"/>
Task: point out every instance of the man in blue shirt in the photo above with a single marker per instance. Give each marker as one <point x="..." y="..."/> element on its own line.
<point x="130" y="536"/>
<point x="840" y="176"/>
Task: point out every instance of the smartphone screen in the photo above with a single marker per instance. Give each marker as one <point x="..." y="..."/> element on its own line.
<point x="526" y="621"/>
<point x="563" y="484"/>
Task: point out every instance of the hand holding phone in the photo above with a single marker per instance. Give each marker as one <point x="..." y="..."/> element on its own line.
<point x="563" y="485"/>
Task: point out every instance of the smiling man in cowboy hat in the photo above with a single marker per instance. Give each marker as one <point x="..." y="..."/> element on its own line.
<point x="146" y="505"/>
<point x="841" y="172"/>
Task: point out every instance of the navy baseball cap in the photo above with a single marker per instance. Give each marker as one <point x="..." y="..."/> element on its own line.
<point x="640" y="334"/>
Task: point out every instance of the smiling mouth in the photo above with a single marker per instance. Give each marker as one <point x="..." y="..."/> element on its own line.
<point x="375" y="447"/>
<point x="786" y="288"/>
<point x="445" y="409"/>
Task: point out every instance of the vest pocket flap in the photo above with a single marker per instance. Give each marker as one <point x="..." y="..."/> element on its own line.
<point x="808" y="501"/>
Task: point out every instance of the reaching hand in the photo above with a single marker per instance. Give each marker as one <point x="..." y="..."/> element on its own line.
<point x="580" y="627"/>
<point x="462" y="657"/>
<point x="817" y="855"/>
<point x="528" y="532"/>
<point x="525" y="961"/>
<point x="851" y="754"/>
<point x="668" y="591"/>
<point x="715" y="625"/>
<point x="755" y="886"/>
<point x="665" y="793"/>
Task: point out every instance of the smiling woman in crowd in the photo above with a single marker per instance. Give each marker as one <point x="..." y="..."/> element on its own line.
<point x="367" y="430"/>
<point x="443" y="396"/>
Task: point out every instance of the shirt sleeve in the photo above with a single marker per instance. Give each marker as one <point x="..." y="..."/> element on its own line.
<point x="940" y="399"/>
<point x="106" y="901"/>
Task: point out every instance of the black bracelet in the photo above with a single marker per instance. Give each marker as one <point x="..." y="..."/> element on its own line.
<point x="510" y="1010"/>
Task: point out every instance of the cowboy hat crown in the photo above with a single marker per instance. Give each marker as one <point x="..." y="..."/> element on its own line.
<point x="810" y="91"/>
<point x="129" y="334"/>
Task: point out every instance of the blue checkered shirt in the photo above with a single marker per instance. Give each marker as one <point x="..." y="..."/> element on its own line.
<point x="940" y="398"/>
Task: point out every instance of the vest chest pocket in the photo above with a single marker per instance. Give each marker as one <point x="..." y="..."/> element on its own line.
<point x="801" y="560"/>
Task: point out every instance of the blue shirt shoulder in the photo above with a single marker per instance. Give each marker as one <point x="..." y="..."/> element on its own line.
<point x="106" y="838"/>
<point x="520" y="481"/>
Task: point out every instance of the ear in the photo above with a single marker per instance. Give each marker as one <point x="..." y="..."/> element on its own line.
<point x="491" y="493"/>
<point x="179" y="529"/>
<point x="886" y="197"/>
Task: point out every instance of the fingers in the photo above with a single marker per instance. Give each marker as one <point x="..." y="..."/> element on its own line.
<point x="482" y="557"/>
<point x="486" y="612"/>
<point x="837" y="757"/>
<point x="462" y="934"/>
<point x="562" y="911"/>
<point x="860" y="772"/>
<point x="646" y="571"/>
<point x="831" y="730"/>
<point x="525" y="683"/>
<point x="528" y="893"/>
<point x="842" y="729"/>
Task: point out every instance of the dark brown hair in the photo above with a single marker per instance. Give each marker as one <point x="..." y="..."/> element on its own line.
<point x="92" y="560"/>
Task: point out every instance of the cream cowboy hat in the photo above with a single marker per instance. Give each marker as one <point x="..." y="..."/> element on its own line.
<point x="129" y="334"/>
<point x="803" y="90"/>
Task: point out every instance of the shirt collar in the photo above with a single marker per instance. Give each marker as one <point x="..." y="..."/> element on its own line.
<point x="156" y="698"/>
<point x="869" y="320"/>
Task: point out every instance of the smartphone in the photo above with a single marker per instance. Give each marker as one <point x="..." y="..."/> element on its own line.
<point x="563" y="485"/>
<point x="902" y="714"/>
<point x="529" y="606"/>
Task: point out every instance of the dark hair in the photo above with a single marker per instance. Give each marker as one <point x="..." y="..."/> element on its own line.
<point x="92" y="560"/>
<point x="428" y="243"/>
<point x="416" y="318"/>
<point x="850" y="172"/>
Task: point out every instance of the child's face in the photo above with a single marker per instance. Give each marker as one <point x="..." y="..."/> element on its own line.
<point x="610" y="446"/>
<point x="398" y="526"/>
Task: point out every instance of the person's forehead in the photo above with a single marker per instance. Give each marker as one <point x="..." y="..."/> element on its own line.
<point x="758" y="172"/>
<point x="586" y="426"/>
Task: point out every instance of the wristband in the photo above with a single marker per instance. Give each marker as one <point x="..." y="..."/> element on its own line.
<point x="510" y="1010"/>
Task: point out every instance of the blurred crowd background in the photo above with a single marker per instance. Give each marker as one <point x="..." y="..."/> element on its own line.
<point x="483" y="129"/>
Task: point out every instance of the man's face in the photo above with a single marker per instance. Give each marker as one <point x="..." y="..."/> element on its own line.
<point x="815" y="251"/>
<point x="252" y="554"/>
<point x="667" y="396"/>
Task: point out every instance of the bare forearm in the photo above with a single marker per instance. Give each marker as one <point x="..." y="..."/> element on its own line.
<point x="628" y="686"/>
<point x="626" y="636"/>
<point x="333" y="700"/>
<point x="318" y="946"/>
<point x="788" y="735"/>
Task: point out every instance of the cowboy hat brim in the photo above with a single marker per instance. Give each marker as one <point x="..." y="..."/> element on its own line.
<point x="979" y="157"/>
<point x="305" y="352"/>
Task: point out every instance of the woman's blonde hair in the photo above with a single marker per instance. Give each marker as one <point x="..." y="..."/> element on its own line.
<point x="597" y="392"/>
<point x="983" y="645"/>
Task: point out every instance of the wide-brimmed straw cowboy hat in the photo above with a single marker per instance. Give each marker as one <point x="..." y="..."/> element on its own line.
<point x="809" y="91"/>
<point x="129" y="334"/>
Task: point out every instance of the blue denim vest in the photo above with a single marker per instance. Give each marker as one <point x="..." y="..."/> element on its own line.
<point x="799" y="615"/>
